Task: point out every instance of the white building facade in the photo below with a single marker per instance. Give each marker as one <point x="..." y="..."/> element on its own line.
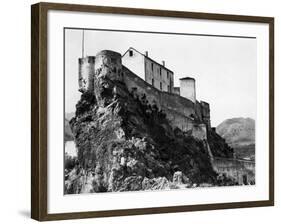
<point x="152" y="72"/>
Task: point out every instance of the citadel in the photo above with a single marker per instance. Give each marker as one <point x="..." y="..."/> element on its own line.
<point x="144" y="76"/>
<point x="153" y="82"/>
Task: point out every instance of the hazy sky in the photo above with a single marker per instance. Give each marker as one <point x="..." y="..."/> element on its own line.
<point x="224" y="67"/>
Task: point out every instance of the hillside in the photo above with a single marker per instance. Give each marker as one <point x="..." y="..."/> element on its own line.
<point x="239" y="133"/>
<point x="126" y="145"/>
<point x="70" y="115"/>
<point x="68" y="136"/>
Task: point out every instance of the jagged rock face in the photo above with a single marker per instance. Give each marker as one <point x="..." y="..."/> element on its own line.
<point x="218" y="146"/>
<point x="125" y="145"/>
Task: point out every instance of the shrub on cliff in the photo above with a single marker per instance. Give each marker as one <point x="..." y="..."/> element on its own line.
<point x="69" y="162"/>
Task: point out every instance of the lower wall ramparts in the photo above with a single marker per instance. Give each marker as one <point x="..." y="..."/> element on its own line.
<point x="243" y="171"/>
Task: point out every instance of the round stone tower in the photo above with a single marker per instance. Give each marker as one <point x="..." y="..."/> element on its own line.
<point x="108" y="63"/>
<point x="86" y="73"/>
<point x="187" y="88"/>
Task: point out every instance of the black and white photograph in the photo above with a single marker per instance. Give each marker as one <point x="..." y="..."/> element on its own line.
<point x="151" y="111"/>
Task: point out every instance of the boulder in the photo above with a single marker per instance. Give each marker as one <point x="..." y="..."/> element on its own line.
<point x="159" y="183"/>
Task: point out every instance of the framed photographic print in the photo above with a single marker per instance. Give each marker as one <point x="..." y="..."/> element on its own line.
<point x="139" y="111"/>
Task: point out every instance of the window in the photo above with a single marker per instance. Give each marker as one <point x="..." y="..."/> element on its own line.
<point x="160" y="85"/>
<point x="152" y="81"/>
<point x="160" y="72"/>
<point x="168" y="88"/>
<point x="167" y="75"/>
<point x="131" y="53"/>
<point x="152" y="66"/>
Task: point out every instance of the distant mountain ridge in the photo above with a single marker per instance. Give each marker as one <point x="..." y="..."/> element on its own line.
<point x="69" y="115"/>
<point x="237" y="131"/>
<point x="68" y="135"/>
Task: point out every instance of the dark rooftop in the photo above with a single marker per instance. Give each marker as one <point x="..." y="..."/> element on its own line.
<point x="187" y="78"/>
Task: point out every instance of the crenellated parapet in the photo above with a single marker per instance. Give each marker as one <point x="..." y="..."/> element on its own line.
<point x="105" y="63"/>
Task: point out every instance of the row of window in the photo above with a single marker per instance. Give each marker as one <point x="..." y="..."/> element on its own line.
<point x="161" y="88"/>
<point x="152" y="65"/>
<point x="159" y="70"/>
<point x="160" y="84"/>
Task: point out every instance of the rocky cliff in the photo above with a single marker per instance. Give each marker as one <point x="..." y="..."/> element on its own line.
<point x="124" y="144"/>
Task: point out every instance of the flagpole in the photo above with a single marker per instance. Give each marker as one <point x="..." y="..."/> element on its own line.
<point x="83" y="44"/>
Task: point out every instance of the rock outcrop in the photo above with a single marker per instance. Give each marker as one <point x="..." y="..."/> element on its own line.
<point x="124" y="144"/>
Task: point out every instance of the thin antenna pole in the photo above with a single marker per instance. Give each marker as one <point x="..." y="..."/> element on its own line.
<point x="83" y="44"/>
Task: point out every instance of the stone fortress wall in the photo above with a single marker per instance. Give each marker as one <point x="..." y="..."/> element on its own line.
<point x="177" y="109"/>
<point x="243" y="171"/>
<point x="181" y="112"/>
